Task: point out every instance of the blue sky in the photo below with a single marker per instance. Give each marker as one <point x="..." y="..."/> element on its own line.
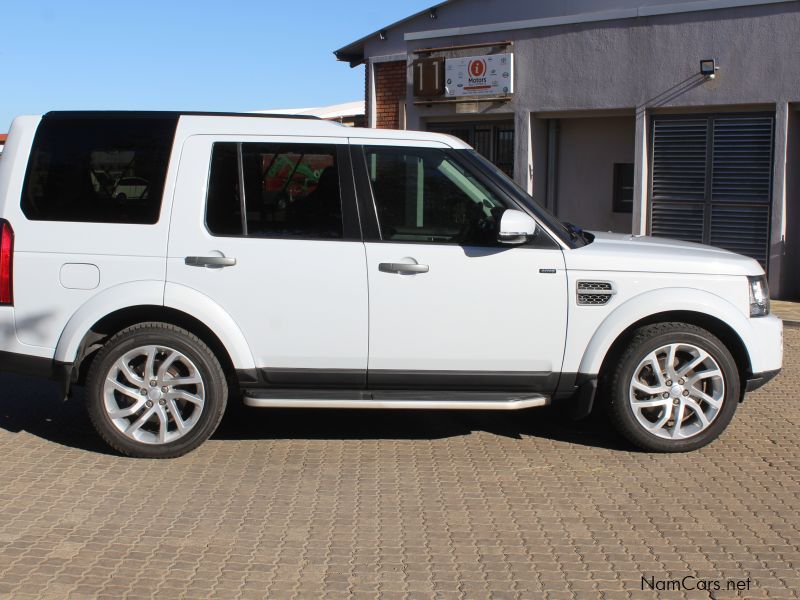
<point x="236" y="55"/>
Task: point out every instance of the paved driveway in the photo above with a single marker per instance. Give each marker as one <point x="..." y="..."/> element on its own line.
<point x="405" y="504"/>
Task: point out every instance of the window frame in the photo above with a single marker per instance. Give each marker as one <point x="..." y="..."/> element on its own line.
<point x="351" y="228"/>
<point x="620" y="205"/>
<point x="369" y="210"/>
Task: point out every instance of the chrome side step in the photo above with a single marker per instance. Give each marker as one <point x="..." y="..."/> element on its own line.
<point x="359" y="399"/>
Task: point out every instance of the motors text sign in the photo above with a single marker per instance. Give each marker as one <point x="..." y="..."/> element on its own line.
<point x="488" y="75"/>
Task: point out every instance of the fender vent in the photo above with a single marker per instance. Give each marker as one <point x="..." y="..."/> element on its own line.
<point x="594" y="293"/>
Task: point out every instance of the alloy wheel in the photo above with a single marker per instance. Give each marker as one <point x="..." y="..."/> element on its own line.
<point x="677" y="391"/>
<point x="154" y="394"/>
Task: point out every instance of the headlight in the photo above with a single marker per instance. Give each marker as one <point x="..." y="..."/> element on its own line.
<point x="759" y="296"/>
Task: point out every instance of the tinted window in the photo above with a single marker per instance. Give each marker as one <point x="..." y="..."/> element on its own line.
<point x="98" y="170"/>
<point x="623" y="187"/>
<point x="424" y="195"/>
<point x="290" y="190"/>
<point x="224" y="206"/>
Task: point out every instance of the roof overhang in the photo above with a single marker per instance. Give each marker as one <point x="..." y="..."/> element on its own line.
<point x="353" y="52"/>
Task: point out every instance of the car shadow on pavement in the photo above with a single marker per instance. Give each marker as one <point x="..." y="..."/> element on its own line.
<point x="34" y="406"/>
<point x="322" y="424"/>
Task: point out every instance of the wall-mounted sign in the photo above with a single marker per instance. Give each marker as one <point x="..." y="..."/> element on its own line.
<point x="488" y="75"/>
<point x="428" y="77"/>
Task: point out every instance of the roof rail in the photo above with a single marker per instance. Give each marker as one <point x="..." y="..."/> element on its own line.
<point x="154" y="114"/>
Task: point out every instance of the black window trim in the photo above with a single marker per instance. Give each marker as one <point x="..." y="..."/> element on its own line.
<point x="366" y="199"/>
<point x="351" y="228"/>
<point x="165" y="196"/>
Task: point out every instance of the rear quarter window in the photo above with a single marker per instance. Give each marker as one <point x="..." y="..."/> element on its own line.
<point x="98" y="169"/>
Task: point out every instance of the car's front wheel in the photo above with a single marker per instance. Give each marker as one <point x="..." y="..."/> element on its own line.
<point x="675" y="388"/>
<point x="155" y="391"/>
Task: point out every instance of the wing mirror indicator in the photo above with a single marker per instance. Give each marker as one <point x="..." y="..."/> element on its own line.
<point x="516" y="227"/>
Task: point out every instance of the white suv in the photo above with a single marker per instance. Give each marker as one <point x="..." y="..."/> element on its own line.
<point x="289" y="262"/>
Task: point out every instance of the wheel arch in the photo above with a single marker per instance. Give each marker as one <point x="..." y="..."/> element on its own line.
<point x="727" y="335"/>
<point x="692" y="306"/>
<point x="112" y="323"/>
<point x="109" y="313"/>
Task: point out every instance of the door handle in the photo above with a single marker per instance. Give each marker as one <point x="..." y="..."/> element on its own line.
<point x="214" y="262"/>
<point x="401" y="268"/>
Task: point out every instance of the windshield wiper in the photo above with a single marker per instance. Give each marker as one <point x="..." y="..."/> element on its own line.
<point x="577" y="233"/>
<point x="574" y="231"/>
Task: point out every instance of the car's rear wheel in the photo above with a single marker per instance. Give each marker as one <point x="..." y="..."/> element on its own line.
<point x="155" y="391"/>
<point x="675" y="388"/>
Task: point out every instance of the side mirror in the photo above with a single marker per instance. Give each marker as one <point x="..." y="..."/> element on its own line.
<point x="516" y="227"/>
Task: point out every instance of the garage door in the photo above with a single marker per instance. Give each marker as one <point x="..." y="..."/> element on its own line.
<point x="711" y="181"/>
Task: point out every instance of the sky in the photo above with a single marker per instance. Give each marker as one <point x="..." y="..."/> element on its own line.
<point x="233" y="55"/>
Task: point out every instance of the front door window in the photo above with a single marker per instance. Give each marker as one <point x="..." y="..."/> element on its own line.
<point x="423" y="195"/>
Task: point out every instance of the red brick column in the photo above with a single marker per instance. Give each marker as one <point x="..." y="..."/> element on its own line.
<point x="367" y="95"/>
<point x="390" y="90"/>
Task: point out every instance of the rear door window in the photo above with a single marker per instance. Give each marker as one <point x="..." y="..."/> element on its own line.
<point x="98" y="169"/>
<point x="290" y="191"/>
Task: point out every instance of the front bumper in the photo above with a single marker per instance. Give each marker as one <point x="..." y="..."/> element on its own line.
<point x="765" y="344"/>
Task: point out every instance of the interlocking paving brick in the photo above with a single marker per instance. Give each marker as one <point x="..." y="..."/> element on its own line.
<point x="307" y="504"/>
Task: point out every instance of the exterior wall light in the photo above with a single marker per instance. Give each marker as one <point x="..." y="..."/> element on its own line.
<point x="433" y="13"/>
<point x="382" y="34"/>
<point x="708" y="68"/>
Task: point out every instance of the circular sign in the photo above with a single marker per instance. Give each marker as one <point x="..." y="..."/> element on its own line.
<point x="477" y="67"/>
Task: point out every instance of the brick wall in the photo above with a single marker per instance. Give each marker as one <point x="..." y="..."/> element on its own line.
<point x="390" y="90"/>
<point x="366" y="96"/>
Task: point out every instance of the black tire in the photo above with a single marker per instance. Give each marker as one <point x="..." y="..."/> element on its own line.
<point x="646" y="340"/>
<point x="164" y="335"/>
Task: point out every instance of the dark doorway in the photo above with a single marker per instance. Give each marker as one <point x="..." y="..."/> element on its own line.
<point x="494" y="140"/>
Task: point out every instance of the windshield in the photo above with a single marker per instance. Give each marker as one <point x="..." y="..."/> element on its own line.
<point x="569" y="234"/>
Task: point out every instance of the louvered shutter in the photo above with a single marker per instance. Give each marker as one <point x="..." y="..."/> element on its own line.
<point x="711" y="181"/>
<point x="741" y="185"/>
<point x="680" y="149"/>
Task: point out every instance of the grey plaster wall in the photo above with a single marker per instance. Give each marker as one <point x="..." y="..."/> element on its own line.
<point x="645" y="64"/>
<point x="651" y="62"/>
<point x="466" y="13"/>
<point x="587" y="151"/>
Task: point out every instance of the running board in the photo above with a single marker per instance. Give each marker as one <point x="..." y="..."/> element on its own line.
<point x="392" y="399"/>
